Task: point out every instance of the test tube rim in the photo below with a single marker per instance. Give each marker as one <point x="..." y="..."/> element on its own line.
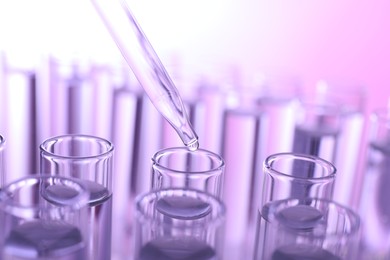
<point x="108" y="144"/>
<point x="307" y="157"/>
<point x="216" y="158"/>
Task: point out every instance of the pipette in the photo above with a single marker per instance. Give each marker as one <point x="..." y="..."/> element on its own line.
<point x="146" y="66"/>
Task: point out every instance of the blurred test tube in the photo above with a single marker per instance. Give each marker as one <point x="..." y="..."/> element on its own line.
<point x="374" y="206"/>
<point x="330" y="124"/>
<point x="18" y="114"/>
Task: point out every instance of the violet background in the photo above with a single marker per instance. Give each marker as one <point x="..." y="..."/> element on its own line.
<point x="344" y="40"/>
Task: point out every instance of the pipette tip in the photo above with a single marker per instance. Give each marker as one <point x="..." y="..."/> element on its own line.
<point x="193" y="145"/>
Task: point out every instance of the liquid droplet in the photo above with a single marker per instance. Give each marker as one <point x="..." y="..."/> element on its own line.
<point x="193" y="145"/>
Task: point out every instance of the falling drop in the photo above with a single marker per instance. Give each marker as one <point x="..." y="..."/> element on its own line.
<point x="193" y="145"/>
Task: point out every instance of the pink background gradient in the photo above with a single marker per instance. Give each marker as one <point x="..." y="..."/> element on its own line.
<point x="324" y="39"/>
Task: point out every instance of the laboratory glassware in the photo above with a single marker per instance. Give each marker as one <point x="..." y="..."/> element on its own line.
<point x="317" y="129"/>
<point x="243" y="136"/>
<point x="374" y="207"/>
<point x="292" y="175"/>
<point x="308" y="228"/>
<point x="88" y="158"/>
<point x="177" y="223"/>
<point x="2" y="161"/>
<point x="330" y="124"/>
<point x="258" y="120"/>
<point x="44" y="217"/>
<point x="178" y="167"/>
<point x="19" y="83"/>
<point x="146" y="65"/>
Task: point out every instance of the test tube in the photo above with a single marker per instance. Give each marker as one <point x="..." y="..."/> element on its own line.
<point x="297" y="176"/>
<point x="317" y="129"/>
<point x="167" y="228"/>
<point x="2" y="161"/>
<point x="240" y="181"/>
<point x="147" y="67"/>
<point x="374" y="207"/>
<point x="180" y="168"/>
<point x="46" y="218"/>
<point x="309" y="228"/>
<point x="19" y="127"/>
<point x="250" y="112"/>
<point x="330" y="125"/>
<point x="294" y="175"/>
<point x="89" y="159"/>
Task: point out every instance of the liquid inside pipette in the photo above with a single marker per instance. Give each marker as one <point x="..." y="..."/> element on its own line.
<point x="146" y="66"/>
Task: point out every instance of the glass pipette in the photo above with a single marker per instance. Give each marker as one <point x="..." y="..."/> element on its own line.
<point x="146" y="66"/>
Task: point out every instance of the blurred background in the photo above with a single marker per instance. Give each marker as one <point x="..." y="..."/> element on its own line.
<point x="344" y="40"/>
<point x="61" y="72"/>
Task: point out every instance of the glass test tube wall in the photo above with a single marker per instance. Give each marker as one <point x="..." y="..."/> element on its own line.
<point x="63" y="97"/>
<point x="374" y="207"/>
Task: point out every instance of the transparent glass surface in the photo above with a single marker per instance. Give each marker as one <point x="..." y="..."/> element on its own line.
<point x="179" y="224"/>
<point x="307" y="228"/>
<point x="181" y="168"/>
<point x="46" y="218"/>
<point x="89" y="159"/>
